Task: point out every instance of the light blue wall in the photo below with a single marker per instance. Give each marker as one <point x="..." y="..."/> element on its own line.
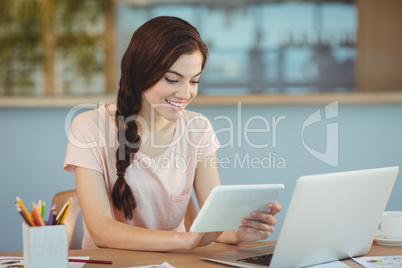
<point x="33" y="143"/>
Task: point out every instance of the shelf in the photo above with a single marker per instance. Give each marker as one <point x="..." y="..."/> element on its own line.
<point x="203" y="100"/>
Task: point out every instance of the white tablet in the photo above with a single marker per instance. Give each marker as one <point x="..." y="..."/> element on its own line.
<point x="226" y="205"/>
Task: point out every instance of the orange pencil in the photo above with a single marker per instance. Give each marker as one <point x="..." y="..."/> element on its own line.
<point x="22" y="214"/>
<point x="37" y="216"/>
<point x="24" y="210"/>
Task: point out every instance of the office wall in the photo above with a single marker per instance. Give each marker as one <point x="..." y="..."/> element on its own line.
<point x="33" y="143"/>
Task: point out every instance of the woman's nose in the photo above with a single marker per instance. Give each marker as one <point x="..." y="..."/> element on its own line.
<point x="184" y="92"/>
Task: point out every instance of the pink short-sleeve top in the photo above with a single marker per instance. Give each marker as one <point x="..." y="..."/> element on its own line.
<point x="161" y="185"/>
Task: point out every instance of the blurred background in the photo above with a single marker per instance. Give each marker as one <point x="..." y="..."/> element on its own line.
<point x="255" y="46"/>
<point x="271" y="59"/>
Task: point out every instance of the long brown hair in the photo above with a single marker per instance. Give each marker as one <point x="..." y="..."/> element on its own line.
<point x="153" y="49"/>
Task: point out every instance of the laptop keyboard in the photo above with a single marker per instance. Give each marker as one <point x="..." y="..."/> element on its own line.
<point x="261" y="259"/>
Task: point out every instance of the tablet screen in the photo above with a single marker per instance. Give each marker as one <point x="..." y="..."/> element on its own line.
<point x="226" y="205"/>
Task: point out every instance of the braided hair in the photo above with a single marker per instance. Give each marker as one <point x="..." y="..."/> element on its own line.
<point x="153" y="49"/>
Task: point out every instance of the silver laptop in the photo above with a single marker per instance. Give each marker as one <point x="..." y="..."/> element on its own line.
<point x="330" y="217"/>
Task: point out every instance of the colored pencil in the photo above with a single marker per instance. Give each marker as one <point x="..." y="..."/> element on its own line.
<point x="90" y="261"/>
<point x="63" y="213"/>
<point x="35" y="222"/>
<point x="54" y="217"/>
<point x="19" y="201"/>
<point x="43" y="210"/>
<point x="60" y="214"/>
<point x="23" y="214"/>
<point x="52" y="212"/>
<point x="37" y="217"/>
<point x="39" y="206"/>
<point x="35" y="213"/>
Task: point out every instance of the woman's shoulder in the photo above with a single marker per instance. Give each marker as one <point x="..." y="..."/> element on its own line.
<point x="91" y="118"/>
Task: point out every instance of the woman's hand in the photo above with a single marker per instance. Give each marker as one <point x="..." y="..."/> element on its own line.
<point x="261" y="224"/>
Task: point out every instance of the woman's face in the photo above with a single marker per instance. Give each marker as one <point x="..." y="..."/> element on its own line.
<point x="175" y="90"/>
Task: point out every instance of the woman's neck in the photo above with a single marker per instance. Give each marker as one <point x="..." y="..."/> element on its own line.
<point x="156" y="134"/>
<point x="148" y="123"/>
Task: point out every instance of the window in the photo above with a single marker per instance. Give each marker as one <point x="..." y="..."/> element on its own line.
<point x="275" y="47"/>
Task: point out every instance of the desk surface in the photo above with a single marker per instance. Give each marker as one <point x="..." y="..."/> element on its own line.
<point x="126" y="258"/>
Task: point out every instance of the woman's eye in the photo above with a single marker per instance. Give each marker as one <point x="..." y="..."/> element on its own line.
<point x="171" y="80"/>
<point x="194" y="82"/>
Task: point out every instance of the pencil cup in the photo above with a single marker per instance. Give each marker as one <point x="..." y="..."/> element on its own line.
<point x="45" y="246"/>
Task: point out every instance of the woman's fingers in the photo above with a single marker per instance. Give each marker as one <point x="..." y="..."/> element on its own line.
<point x="260" y="221"/>
<point x="260" y="225"/>
<point x="274" y="208"/>
<point x="263" y="221"/>
<point x="264" y="217"/>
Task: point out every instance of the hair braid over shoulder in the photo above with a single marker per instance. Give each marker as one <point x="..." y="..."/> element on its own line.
<point x="129" y="144"/>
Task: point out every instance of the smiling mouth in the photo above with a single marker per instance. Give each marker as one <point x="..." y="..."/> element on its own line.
<point x="176" y="104"/>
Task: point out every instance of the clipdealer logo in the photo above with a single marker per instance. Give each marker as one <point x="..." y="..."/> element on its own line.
<point x="330" y="156"/>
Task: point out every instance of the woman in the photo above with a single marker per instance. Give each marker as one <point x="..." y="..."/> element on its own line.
<point x="142" y="156"/>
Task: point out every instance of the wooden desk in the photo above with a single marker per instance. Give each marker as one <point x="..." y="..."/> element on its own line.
<point x="179" y="259"/>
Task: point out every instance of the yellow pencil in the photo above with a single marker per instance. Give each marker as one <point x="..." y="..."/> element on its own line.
<point x="39" y="206"/>
<point x="65" y="213"/>
<point x="62" y="213"/>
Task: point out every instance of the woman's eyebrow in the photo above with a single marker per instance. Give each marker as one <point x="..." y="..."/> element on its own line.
<point x="179" y="74"/>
